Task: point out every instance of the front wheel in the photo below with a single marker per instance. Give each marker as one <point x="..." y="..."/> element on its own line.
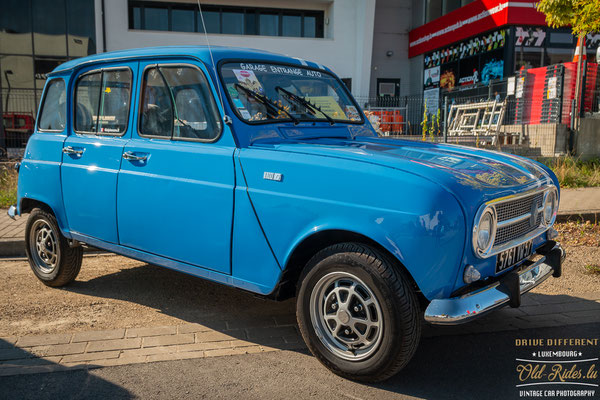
<point x="51" y="258"/>
<point x="357" y="312"/>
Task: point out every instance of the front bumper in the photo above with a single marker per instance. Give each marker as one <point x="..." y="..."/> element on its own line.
<point x="12" y="211"/>
<point x="507" y="290"/>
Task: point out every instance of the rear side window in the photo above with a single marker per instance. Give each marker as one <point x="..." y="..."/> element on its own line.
<point x="177" y="104"/>
<point x="53" y="113"/>
<point x="102" y="102"/>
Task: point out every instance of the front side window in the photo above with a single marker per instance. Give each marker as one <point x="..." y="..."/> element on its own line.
<point x="177" y="104"/>
<point x="53" y="113"/>
<point x="270" y="92"/>
<point x="102" y="102"/>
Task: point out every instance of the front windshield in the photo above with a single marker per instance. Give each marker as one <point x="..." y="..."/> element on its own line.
<point x="261" y="92"/>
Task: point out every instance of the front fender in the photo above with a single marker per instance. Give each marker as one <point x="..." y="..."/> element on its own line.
<point x="416" y="220"/>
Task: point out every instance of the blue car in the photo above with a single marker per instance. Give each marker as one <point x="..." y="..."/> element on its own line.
<point x="260" y="171"/>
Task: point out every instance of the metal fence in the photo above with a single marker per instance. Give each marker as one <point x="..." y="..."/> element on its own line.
<point x="19" y="108"/>
<point x="532" y="127"/>
<point x="535" y="128"/>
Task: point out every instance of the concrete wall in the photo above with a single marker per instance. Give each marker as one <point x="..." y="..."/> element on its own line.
<point x="346" y="48"/>
<point x="416" y="63"/>
<point x="392" y="23"/>
<point x="542" y="140"/>
<point x="587" y="143"/>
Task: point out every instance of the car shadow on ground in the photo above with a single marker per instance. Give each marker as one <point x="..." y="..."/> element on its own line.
<point x="222" y="308"/>
<point x="80" y="381"/>
<point x="458" y="359"/>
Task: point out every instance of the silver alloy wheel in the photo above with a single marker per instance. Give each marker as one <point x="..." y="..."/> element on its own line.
<point x="44" y="246"/>
<point x="346" y="316"/>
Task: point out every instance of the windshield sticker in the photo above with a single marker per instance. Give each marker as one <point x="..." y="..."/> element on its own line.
<point x="329" y="106"/>
<point x="352" y="113"/>
<point x="232" y="91"/>
<point x="248" y="80"/>
<point x="278" y="69"/>
<point x="238" y="103"/>
<point x="244" y="113"/>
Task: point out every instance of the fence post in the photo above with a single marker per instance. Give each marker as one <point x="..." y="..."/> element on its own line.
<point x="3" y="148"/>
<point x="445" y="119"/>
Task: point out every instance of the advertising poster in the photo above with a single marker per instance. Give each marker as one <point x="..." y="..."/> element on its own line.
<point x="552" y="92"/>
<point x="431" y="77"/>
<point x="448" y="78"/>
<point x="431" y="98"/>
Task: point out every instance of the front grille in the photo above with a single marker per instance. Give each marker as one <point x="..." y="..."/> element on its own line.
<point x="515" y="208"/>
<point x="510" y="209"/>
<point x="507" y="233"/>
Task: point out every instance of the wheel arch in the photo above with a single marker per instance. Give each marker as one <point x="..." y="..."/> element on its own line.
<point x="312" y="244"/>
<point x="27" y="204"/>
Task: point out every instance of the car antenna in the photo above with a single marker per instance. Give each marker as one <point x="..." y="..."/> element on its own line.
<point x="226" y="118"/>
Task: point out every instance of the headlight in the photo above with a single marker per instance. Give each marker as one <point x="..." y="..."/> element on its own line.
<point x="484" y="231"/>
<point x="550" y="206"/>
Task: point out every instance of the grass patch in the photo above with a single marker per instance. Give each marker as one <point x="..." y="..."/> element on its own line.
<point x="574" y="173"/>
<point x="8" y="186"/>
<point x="593" y="269"/>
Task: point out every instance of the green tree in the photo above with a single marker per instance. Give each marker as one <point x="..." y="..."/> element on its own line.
<point x="582" y="15"/>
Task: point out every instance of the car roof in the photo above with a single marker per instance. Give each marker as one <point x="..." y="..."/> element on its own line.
<point x="201" y="52"/>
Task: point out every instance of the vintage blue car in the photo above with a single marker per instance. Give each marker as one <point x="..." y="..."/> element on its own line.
<point x="260" y="171"/>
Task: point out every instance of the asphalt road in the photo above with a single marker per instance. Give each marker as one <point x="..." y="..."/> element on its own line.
<point x="480" y="366"/>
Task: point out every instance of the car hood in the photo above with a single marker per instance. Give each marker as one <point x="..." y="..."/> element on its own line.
<point x="467" y="172"/>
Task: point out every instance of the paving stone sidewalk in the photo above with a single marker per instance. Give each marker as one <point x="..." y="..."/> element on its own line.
<point x="93" y="349"/>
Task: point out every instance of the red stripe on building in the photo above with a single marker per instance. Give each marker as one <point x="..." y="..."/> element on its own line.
<point x="474" y="18"/>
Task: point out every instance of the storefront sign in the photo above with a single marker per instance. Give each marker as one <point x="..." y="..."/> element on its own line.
<point x="474" y="18"/>
<point x="478" y="45"/>
<point x="529" y="37"/>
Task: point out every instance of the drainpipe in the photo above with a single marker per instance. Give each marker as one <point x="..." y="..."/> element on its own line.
<point x="103" y="28"/>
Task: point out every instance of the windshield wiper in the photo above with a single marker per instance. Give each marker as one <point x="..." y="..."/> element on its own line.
<point x="269" y="104"/>
<point x="306" y="103"/>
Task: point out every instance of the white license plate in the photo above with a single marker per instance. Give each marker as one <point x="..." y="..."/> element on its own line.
<point x="510" y="257"/>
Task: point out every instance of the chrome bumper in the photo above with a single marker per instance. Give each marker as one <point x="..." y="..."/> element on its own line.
<point x="12" y="211"/>
<point x="508" y="289"/>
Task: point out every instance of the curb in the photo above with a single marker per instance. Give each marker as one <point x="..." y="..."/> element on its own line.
<point x="15" y="248"/>
<point x="582" y="216"/>
<point x="12" y="247"/>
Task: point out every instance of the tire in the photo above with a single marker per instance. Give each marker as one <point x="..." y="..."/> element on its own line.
<point x="355" y="284"/>
<point x="50" y="257"/>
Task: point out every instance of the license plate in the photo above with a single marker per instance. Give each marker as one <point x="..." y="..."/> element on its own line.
<point x="510" y="257"/>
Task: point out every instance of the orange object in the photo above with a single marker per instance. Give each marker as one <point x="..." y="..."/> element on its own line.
<point x="576" y="56"/>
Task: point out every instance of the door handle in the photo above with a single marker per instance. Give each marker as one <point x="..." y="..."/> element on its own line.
<point x="71" y="150"/>
<point x="128" y="155"/>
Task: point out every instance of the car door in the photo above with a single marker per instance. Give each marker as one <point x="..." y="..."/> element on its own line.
<point x="92" y="151"/>
<point x="175" y="189"/>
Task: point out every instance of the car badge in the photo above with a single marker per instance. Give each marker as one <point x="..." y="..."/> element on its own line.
<point x="534" y="214"/>
<point x="273" y="176"/>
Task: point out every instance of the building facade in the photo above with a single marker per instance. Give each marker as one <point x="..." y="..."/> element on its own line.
<point x="459" y="49"/>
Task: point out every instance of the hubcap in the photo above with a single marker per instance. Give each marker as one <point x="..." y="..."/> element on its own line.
<point x="346" y="316"/>
<point x="44" y="246"/>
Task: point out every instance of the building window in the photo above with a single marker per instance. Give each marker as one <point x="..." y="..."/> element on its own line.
<point x="179" y="17"/>
<point x="437" y="8"/>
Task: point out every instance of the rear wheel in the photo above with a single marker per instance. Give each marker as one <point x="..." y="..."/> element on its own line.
<point x="51" y="258"/>
<point x="357" y="312"/>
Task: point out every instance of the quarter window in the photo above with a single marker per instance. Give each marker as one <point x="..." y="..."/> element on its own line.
<point x="177" y="104"/>
<point x="102" y="102"/>
<point x="53" y="112"/>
